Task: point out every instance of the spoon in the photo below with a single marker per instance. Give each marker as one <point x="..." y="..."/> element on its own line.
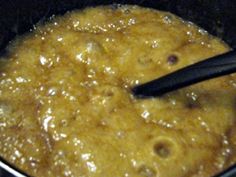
<point x="207" y="69"/>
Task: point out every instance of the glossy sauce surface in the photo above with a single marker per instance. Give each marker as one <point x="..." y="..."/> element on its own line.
<point x="66" y="108"/>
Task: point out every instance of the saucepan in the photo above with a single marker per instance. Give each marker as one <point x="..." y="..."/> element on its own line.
<point x="218" y="17"/>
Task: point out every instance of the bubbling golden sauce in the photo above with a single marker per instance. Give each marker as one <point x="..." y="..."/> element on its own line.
<point x="66" y="108"/>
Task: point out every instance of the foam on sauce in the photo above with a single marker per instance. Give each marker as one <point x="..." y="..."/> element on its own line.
<point x="66" y="108"/>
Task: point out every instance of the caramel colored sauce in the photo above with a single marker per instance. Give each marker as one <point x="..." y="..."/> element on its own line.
<point x="66" y="108"/>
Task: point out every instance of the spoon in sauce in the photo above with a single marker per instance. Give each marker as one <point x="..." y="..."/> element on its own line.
<point x="207" y="69"/>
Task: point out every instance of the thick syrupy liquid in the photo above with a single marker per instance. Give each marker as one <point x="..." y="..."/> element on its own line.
<point x="66" y="108"/>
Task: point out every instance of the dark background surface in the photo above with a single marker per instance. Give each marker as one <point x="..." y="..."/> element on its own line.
<point x="216" y="16"/>
<point x="5" y="174"/>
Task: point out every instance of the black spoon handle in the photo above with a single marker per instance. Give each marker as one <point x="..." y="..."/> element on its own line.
<point x="230" y="172"/>
<point x="214" y="67"/>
